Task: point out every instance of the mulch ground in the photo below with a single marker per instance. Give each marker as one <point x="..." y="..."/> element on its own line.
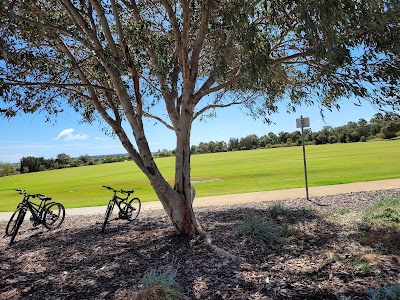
<point x="325" y="254"/>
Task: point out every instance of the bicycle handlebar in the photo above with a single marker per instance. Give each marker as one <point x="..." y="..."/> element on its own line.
<point x="40" y="196"/>
<point x="118" y="191"/>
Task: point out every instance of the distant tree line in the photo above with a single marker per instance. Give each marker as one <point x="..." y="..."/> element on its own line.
<point x="379" y="127"/>
<point x="36" y="164"/>
<point x="7" y="169"/>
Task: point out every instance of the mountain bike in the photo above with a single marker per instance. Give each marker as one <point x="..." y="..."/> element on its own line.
<point x="128" y="209"/>
<point x="49" y="214"/>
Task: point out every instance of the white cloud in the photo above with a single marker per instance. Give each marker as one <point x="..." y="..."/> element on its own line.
<point x="68" y="135"/>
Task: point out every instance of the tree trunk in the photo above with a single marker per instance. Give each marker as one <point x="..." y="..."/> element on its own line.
<point x="182" y="208"/>
<point x="177" y="201"/>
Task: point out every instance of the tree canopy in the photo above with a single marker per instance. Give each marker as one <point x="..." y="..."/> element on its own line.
<point x="260" y="50"/>
<point x="117" y="59"/>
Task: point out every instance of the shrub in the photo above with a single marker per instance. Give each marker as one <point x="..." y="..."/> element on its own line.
<point x="386" y="211"/>
<point x="256" y="230"/>
<point x="362" y="267"/>
<point x="160" y="285"/>
<point x="343" y="211"/>
<point x="159" y="292"/>
<point x="277" y="209"/>
<point x="166" y="277"/>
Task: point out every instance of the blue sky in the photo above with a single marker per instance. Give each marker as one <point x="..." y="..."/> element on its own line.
<point x="30" y="135"/>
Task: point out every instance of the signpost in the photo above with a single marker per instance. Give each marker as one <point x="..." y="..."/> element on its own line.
<point x="301" y="123"/>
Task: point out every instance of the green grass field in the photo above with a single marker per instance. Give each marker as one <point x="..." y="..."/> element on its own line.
<point x="215" y="174"/>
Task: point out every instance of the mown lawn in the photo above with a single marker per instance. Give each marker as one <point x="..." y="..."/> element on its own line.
<point x="216" y="174"/>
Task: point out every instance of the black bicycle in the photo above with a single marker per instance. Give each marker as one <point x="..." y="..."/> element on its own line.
<point x="50" y="214"/>
<point x="128" y="209"/>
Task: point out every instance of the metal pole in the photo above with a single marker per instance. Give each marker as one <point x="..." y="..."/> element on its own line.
<point x="304" y="159"/>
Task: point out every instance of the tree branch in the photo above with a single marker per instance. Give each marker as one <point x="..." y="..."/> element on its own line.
<point x="168" y="96"/>
<point x="83" y="25"/>
<point x="206" y="85"/>
<point x="276" y="61"/>
<point x="184" y="51"/>
<point x="194" y="65"/>
<point x="49" y="84"/>
<point x="128" y="59"/>
<point x="206" y="92"/>
<point x="106" y="28"/>
<point x="148" y="115"/>
<point x="213" y="106"/>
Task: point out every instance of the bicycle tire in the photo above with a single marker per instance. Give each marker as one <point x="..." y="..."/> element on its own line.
<point x="16" y="224"/>
<point x="54" y="214"/>
<point x="11" y="223"/>
<point x="132" y="209"/>
<point x="107" y="216"/>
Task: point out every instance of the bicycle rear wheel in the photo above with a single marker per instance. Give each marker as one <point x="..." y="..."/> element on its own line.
<point x="107" y="215"/>
<point x="15" y="222"/>
<point x="132" y="209"/>
<point x="54" y="214"/>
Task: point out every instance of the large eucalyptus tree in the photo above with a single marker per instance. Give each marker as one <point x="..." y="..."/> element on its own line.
<point x="116" y="59"/>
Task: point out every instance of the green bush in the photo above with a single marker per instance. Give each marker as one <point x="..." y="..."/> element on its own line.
<point x="166" y="277"/>
<point x="277" y="209"/>
<point x="343" y="211"/>
<point x="160" y="285"/>
<point x="386" y="211"/>
<point x="158" y="292"/>
<point x="256" y="230"/>
<point x="362" y="267"/>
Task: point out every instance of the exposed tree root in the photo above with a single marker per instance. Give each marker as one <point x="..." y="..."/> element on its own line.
<point x="157" y="223"/>
<point x="219" y="251"/>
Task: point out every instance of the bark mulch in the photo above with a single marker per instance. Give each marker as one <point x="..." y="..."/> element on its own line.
<point x="324" y="253"/>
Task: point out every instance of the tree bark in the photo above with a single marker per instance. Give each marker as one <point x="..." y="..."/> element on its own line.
<point x="177" y="201"/>
<point x="182" y="214"/>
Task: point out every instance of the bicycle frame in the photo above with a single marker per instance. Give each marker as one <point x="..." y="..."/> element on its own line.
<point x="118" y="200"/>
<point x="35" y="209"/>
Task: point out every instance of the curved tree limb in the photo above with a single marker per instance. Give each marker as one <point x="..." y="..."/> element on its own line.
<point x="148" y="115"/>
<point x="213" y="106"/>
<point x="50" y="84"/>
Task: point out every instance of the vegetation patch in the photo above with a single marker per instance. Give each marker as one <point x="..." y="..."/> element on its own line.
<point x="380" y="224"/>
<point x="343" y="211"/>
<point x="280" y="212"/>
<point x="362" y="267"/>
<point x="160" y="285"/>
<point x="384" y="212"/>
<point x="255" y="230"/>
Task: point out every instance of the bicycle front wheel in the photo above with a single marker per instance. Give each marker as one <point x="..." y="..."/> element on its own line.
<point x="11" y="224"/>
<point x="54" y="214"/>
<point x="132" y="209"/>
<point x="15" y="222"/>
<point x="107" y="215"/>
